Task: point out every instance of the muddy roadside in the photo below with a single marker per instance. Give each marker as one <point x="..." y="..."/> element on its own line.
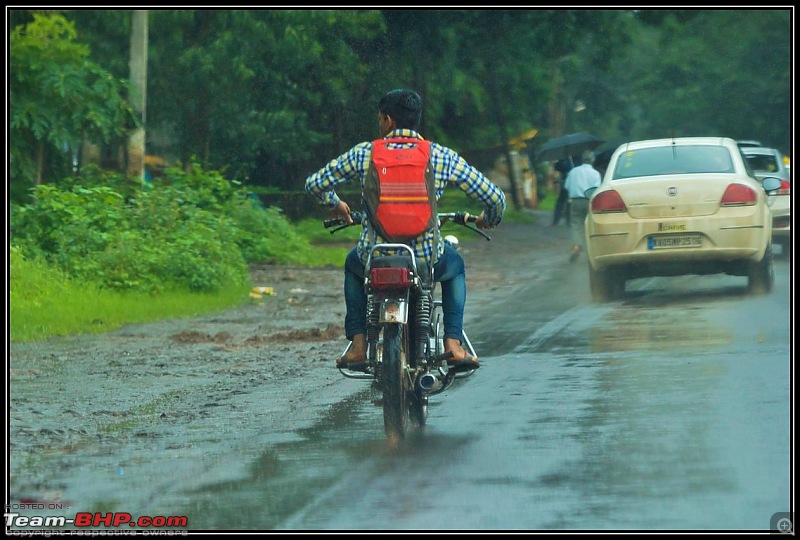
<point x="116" y="421"/>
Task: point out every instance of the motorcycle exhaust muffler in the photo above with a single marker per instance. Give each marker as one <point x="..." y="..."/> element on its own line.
<point x="428" y="382"/>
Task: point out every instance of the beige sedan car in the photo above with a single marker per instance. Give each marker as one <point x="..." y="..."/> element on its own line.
<point x="670" y="207"/>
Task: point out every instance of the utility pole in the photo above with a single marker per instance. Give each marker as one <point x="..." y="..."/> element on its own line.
<point x="138" y="93"/>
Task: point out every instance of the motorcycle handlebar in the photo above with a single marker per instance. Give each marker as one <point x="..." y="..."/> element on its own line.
<point x="459" y="218"/>
<point x="358" y="219"/>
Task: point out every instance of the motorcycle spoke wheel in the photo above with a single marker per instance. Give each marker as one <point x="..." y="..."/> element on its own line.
<point x="396" y="385"/>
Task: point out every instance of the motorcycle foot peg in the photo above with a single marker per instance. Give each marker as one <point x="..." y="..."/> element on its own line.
<point x="357" y="366"/>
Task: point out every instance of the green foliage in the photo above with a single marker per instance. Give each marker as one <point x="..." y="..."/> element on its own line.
<point x="174" y="245"/>
<point x="266" y="95"/>
<point x="733" y="81"/>
<point x="70" y="226"/>
<point x="208" y="190"/>
<point x="265" y="235"/>
<point x="93" y="176"/>
<point x="57" y="96"/>
<point x="254" y="87"/>
<point x="46" y="302"/>
<point x="194" y="231"/>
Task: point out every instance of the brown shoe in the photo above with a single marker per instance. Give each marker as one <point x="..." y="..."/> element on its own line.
<point x="355" y="357"/>
<point x="460" y="355"/>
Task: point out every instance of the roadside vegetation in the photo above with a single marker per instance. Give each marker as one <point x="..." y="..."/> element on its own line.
<point x="96" y="252"/>
<point x="45" y="302"/>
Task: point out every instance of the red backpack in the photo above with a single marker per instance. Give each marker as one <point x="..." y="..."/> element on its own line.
<point x="399" y="190"/>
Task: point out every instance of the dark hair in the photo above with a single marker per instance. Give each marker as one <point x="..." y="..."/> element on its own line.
<point x="564" y="166"/>
<point x="404" y="106"/>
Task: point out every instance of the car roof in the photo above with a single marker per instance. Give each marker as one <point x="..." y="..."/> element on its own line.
<point x="749" y="143"/>
<point x="759" y="150"/>
<point x="649" y="143"/>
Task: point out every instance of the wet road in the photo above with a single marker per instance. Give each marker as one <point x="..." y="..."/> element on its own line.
<point x="666" y="410"/>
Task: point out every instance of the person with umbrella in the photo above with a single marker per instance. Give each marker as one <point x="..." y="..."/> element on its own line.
<point x="566" y="146"/>
<point x="562" y="149"/>
<point x="579" y="179"/>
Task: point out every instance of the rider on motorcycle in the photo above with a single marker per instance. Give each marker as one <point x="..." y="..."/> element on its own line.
<point x="399" y="114"/>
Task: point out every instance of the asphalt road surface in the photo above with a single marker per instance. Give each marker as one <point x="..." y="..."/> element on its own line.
<point x="669" y="409"/>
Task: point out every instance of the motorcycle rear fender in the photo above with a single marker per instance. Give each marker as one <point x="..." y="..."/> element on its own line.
<point x="393" y="309"/>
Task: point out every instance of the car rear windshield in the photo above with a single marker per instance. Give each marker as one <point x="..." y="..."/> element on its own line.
<point x="694" y="159"/>
<point x="762" y="162"/>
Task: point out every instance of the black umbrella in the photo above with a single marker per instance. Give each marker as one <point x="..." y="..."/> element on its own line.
<point x="566" y="146"/>
<point x="601" y="159"/>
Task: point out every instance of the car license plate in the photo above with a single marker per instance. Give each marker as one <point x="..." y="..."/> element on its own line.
<point x="673" y="241"/>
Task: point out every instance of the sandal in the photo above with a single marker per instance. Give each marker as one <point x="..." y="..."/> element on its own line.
<point x="468" y="360"/>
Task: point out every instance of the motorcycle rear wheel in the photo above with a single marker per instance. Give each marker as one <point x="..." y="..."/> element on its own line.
<point x="397" y="390"/>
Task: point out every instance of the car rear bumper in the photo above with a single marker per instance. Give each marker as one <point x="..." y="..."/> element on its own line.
<point x="781" y="212"/>
<point x="610" y="245"/>
<point x="782" y="226"/>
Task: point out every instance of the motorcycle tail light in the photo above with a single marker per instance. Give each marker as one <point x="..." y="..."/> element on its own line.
<point x="390" y="278"/>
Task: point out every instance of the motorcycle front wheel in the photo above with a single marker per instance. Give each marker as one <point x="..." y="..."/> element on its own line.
<point x="396" y="384"/>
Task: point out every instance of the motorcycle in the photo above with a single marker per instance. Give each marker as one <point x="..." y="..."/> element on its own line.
<point x="406" y="358"/>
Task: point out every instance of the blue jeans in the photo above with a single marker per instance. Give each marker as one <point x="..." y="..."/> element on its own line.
<point x="449" y="271"/>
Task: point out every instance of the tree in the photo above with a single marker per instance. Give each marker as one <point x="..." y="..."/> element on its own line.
<point x="57" y="98"/>
<point x="262" y="94"/>
<point x="716" y="72"/>
<point x="138" y="94"/>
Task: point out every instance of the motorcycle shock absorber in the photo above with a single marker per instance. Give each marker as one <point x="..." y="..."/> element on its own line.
<point x="373" y="327"/>
<point x="423" y="322"/>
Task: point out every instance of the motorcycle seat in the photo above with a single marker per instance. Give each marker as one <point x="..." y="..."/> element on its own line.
<point x="393" y="261"/>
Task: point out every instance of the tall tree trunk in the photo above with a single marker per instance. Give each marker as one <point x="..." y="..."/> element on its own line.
<point x="513" y="171"/>
<point x="39" y="162"/>
<point x="138" y="93"/>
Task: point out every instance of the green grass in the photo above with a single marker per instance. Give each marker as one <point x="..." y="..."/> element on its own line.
<point x="45" y="303"/>
<point x="548" y="202"/>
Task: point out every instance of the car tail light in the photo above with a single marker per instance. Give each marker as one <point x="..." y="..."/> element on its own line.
<point x="390" y="278"/>
<point x="608" y="201"/>
<point x="738" y="195"/>
<point x="785" y="189"/>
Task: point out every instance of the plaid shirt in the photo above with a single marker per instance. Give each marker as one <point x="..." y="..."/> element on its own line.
<point x="448" y="169"/>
